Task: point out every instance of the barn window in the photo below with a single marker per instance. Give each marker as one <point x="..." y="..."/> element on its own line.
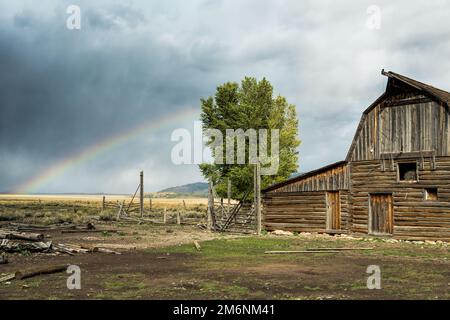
<point x="431" y="194"/>
<point x="407" y="171"/>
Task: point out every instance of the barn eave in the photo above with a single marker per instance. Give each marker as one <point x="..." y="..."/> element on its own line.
<point x="304" y="176"/>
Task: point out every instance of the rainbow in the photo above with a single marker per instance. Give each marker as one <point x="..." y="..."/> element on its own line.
<point x="102" y="146"/>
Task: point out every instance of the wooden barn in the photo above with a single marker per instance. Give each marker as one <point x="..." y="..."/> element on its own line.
<point x="394" y="182"/>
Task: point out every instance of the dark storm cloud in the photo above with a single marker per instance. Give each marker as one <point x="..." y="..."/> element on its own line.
<point x="62" y="91"/>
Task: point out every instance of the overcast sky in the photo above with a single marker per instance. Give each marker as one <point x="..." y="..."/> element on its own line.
<point x="62" y="91"/>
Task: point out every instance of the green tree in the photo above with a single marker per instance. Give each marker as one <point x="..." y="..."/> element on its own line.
<point x="250" y="106"/>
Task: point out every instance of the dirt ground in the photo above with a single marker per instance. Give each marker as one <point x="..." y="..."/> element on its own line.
<point x="161" y="262"/>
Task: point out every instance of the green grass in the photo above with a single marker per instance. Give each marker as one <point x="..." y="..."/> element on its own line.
<point x="240" y="247"/>
<point x="237" y="268"/>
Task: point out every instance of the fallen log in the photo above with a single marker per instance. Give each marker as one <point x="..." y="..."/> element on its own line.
<point x="71" y="248"/>
<point x="6" y="234"/>
<point x="19" y="275"/>
<point x="104" y="250"/>
<point x="39" y="227"/>
<point x="89" y="248"/>
<point x="68" y="248"/>
<point x="339" y="249"/>
<point x="62" y="249"/>
<point x="30" y="226"/>
<point x="52" y="227"/>
<point x="301" y="251"/>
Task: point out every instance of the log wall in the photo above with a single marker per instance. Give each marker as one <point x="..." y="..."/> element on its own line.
<point x="414" y="217"/>
<point x="300" y="211"/>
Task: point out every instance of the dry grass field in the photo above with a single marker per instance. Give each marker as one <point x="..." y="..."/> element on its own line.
<point x="47" y="209"/>
<point x="160" y="261"/>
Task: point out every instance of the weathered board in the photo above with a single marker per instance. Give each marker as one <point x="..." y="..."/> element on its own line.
<point x="381" y="219"/>
<point x="333" y="210"/>
<point x="403" y="120"/>
<point x="331" y="178"/>
<point x="302" y="211"/>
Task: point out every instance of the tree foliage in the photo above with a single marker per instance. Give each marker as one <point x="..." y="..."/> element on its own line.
<point x="250" y="105"/>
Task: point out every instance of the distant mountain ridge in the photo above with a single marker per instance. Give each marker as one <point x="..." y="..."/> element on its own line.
<point x="193" y="189"/>
<point x="197" y="189"/>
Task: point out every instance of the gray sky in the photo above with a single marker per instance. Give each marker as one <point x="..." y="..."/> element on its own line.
<point x="134" y="62"/>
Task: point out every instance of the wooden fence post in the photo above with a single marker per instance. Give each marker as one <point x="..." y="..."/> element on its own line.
<point x="211" y="218"/>
<point x="229" y="196"/>
<point x="103" y="203"/>
<point x="258" y="198"/>
<point x="184" y="205"/>
<point x="178" y="218"/>
<point x="165" y="216"/>
<point x="120" y="209"/>
<point x="150" y="202"/>
<point x="142" y="195"/>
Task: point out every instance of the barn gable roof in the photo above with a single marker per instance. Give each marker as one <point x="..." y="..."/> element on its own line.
<point x="428" y="90"/>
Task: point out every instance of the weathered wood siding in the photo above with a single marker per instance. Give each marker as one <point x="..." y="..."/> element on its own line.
<point x="333" y="179"/>
<point x="406" y="123"/>
<point x="414" y="217"/>
<point x="390" y="129"/>
<point x="300" y="211"/>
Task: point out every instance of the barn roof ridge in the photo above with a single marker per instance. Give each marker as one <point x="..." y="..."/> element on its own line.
<point x="439" y="94"/>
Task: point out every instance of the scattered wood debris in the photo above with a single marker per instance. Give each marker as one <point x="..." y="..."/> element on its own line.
<point x="7" y="245"/>
<point x="202" y="226"/>
<point x="7" y="277"/>
<point x="104" y="250"/>
<point x="282" y="233"/>
<point x="84" y="249"/>
<point x="48" y="247"/>
<point x="20" y="241"/>
<point x="197" y="245"/>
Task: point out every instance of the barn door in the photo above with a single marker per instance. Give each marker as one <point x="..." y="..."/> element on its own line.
<point x="381" y="214"/>
<point x="333" y="211"/>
